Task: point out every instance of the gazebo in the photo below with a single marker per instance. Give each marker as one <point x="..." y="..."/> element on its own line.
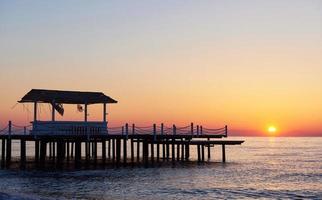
<point x="56" y="98"/>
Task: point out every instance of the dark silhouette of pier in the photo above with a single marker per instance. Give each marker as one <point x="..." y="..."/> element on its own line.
<point x="58" y="142"/>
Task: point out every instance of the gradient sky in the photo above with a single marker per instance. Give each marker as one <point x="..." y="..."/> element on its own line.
<point x="247" y="64"/>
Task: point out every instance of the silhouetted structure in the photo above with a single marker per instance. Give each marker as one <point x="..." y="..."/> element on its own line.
<point x="61" y="142"/>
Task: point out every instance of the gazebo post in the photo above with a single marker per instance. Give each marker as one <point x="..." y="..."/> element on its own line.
<point x="35" y="111"/>
<point x="104" y="112"/>
<point x="52" y="112"/>
<point x="85" y="119"/>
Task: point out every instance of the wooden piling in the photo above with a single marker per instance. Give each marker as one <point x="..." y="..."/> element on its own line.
<point x="208" y="149"/>
<point x="132" y="151"/>
<point x="178" y="151"/>
<point x="113" y="151"/>
<point x="146" y="152"/>
<point x="67" y="150"/>
<point x="173" y="150"/>
<point x="138" y="150"/>
<point x="8" y="156"/>
<point x="223" y="153"/>
<point x="182" y="150"/>
<point x="109" y="149"/>
<point x="50" y="150"/>
<point x="3" y="153"/>
<point x="167" y="149"/>
<point x="158" y="151"/>
<point x="43" y="148"/>
<point x="187" y="149"/>
<point x="203" y="153"/>
<point x="198" y="149"/>
<point x="54" y="151"/>
<point x="103" y="151"/>
<point x="72" y="150"/>
<point x="124" y="151"/>
<point x="118" y="151"/>
<point x="78" y="153"/>
<point x="37" y="151"/>
<point x="87" y="151"/>
<point x="152" y="152"/>
<point x="22" y="153"/>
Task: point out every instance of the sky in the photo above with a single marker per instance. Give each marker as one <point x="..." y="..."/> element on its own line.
<point x="248" y="64"/>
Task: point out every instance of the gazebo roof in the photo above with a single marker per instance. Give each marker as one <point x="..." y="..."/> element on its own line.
<point x="65" y="97"/>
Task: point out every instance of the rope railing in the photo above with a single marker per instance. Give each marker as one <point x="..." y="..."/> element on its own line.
<point x="195" y="130"/>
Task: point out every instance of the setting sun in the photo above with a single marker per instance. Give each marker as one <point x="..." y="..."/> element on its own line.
<point x="271" y="129"/>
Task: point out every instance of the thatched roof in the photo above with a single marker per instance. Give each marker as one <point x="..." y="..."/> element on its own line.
<point x="65" y="97"/>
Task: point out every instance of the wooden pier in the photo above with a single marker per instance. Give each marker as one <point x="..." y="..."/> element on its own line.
<point x="127" y="148"/>
<point x="57" y="143"/>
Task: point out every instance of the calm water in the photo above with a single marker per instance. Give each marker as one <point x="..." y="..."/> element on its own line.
<point x="260" y="168"/>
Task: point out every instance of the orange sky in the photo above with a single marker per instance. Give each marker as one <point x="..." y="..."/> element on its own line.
<point x="248" y="65"/>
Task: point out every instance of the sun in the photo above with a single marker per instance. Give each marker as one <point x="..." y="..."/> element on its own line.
<point x="272" y="130"/>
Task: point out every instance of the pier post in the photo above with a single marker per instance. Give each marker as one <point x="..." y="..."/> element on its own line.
<point x="157" y="143"/>
<point x="67" y="150"/>
<point x="54" y="151"/>
<point x="72" y="150"/>
<point x="152" y="152"/>
<point x="36" y="151"/>
<point x="3" y="152"/>
<point x="87" y="151"/>
<point x="109" y="148"/>
<point x="208" y="148"/>
<point x="173" y="143"/>
<point x="22" y="153"/>
<point x="198" y="148"/>
<point x="182" y="150"/>
<point x="113" y="150"/>
<point x="173" y="150"/>
<point x="203" y="152"/>
<point x="43" y="148"/>
<point x="104" y="150"/>
<point x="223" y="153"/>
<point x="146" y="152"/>
<point x="168" y="148"/>
<point x="191" y="128"/>
<point x="125" y="144"/>
<point x="95" y="151"/>
<point x="78" y="153"/>
<point x="60" y="152"/>
<point x="118" y="151"/>
<point x="8" y="156"/>
<point x="50" y="150"/>
<point x="187" y="148"/>
<point x="138" y="150"/>
<point x="162" y="139"/>
<point x="132" y="144"/>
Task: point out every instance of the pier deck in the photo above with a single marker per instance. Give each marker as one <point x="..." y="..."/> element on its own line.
<point x="119" y="150"/>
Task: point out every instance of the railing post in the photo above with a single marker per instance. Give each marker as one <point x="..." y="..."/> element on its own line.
<point x="191" y="128"/>
<point x="10" y="128"/>
<point x="162" y="128"/>
<point x="201" y="130"/>
<point x="174" y="129"/>
<point x="198" y="130"/>
<point x="127" y="130"/>
<point x="226" y="131"/>
<point x="154" y="132"/>
<point x="133" y="129"/>
<point x="122" y="130"/>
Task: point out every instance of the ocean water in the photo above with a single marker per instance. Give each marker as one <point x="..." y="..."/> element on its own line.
<point x="260" y="168"/>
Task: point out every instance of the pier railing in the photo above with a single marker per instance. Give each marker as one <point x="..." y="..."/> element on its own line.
<point x="98" y="128"/>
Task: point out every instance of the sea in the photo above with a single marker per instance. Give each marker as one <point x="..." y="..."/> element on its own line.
<point x="261" y="168"/>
